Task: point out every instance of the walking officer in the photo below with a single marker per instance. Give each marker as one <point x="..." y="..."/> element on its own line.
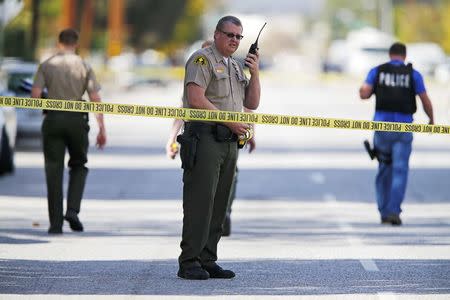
<point x="66" y="76"/>
<point x="395" y="86"/>
<point x="214" y="80"/>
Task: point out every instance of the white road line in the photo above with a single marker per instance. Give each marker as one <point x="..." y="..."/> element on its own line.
<point x="386" y="296"/>
<point x="368" y="264"/>
<point x="286" y="161"/>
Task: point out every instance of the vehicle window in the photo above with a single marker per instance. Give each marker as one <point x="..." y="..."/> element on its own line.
<point x="15" y="81"/>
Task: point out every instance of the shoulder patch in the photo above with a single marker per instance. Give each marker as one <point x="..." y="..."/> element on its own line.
<point x="201" y="60"/>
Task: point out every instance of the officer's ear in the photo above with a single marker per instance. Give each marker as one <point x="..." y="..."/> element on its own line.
<point x="216" y="33"/>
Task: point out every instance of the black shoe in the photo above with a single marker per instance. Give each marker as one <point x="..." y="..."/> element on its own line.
<point x="74" y="222"/>
<point x="193" y="273"/>
<point x="226" y="227"/>
<point x="392" y="219"/>
<point x="215" y="271"/>
<point x="55" y="230"/>
<point x="384" y="220"/>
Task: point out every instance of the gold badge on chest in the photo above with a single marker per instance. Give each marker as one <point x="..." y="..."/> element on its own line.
<point x="219" y="68"/>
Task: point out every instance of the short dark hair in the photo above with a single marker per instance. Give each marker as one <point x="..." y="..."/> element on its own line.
<point x="68" y="37"/>
<point x="231" y="19"/>
<point x="397" y="49"/>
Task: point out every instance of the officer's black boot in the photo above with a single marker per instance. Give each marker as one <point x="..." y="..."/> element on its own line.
<point x="216" y="271"/>
<point x="193" y="273"/>
<point x="72" y="217"/>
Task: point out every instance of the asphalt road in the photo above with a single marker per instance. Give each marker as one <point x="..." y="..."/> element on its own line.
<point x="305" y="223"/>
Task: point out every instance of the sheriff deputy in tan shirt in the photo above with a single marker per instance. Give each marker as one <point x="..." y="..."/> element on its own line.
<point x="214" y="80"/>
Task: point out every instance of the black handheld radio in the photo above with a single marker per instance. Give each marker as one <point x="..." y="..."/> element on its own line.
<point x="254" y="46"/>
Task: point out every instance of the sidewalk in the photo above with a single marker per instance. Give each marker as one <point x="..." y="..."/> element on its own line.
<point x="316" y="249"/>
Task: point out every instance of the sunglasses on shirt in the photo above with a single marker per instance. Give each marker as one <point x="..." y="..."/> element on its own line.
<point x="232" y="35"/>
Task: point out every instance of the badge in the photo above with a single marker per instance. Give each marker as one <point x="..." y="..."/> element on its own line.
<point x="201" y="60"/>
<point x="219" y="68"/>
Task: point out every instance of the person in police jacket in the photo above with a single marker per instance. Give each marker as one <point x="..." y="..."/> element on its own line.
<point x="395" y="85"/>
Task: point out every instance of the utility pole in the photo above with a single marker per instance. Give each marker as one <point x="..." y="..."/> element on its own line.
<point x="115" y="27"/>
<point x="385" y="16"/>
<point x="86" y="26"/>
<point x="69" y="13"/>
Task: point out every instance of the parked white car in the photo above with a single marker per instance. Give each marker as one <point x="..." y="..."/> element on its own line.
<point x="362" y="50"/>
<point x="19" y="80"/>
<point x="442" y="72"/>
<point x="425" y="57"/>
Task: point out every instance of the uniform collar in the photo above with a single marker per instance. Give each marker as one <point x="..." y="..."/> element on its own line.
<point x="218" y="56"/>
<point x="64" y="52"/>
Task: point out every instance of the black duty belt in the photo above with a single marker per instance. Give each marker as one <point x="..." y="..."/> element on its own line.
<point x="68" y="114"/>
<point x="221" y="132"/>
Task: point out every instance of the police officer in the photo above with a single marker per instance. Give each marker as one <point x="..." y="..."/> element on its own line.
<point x="172" y="151"/>
<point x="214" y="80"/>
<point x="66" y="76"/>
<point x="395" y="86"/>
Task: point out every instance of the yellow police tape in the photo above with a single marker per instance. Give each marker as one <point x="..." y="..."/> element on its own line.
<point x="216" y="116"/>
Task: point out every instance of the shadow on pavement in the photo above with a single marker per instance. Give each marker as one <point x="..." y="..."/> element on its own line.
<point x="304" y="229"/>
<point x="264" y="184"/>
<point x="19" y="241"/>
<point x="254" y="277"/>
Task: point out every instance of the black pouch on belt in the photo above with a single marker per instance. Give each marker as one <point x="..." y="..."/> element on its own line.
<point x="188" y="150"/>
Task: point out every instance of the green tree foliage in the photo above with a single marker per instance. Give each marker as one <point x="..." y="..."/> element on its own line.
<point x="345" y="15"/>
<point x="18" y="31"/>
<point x="445" y="25"/>
<point x="163" y="24"/>
<point x="187" y="29"/>
<point x="423" y="22"/>
<point x="16" y="35"/>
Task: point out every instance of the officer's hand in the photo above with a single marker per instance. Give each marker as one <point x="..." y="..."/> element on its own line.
<point x="252" y="62"/>
<point x="171" y="148"/>
<point x="101" y="139"/>
<point x="238" y="128"/>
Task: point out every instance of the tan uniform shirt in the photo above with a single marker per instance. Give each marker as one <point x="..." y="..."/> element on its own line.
<point x="224" y="83"/>
<point x="66" y="76"/>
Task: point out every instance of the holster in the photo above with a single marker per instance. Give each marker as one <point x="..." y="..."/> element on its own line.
<point x="188" y="141"/>
<point x="375" y="153"/>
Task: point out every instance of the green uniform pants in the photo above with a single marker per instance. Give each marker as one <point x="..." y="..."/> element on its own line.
<point x="206" y="194"/>
<point x="61" y="131"/>
<point x="233" y="192"/>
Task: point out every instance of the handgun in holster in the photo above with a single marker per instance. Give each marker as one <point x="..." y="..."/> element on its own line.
<point x="374" y="153"/>
<point x="188" y="150"/>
